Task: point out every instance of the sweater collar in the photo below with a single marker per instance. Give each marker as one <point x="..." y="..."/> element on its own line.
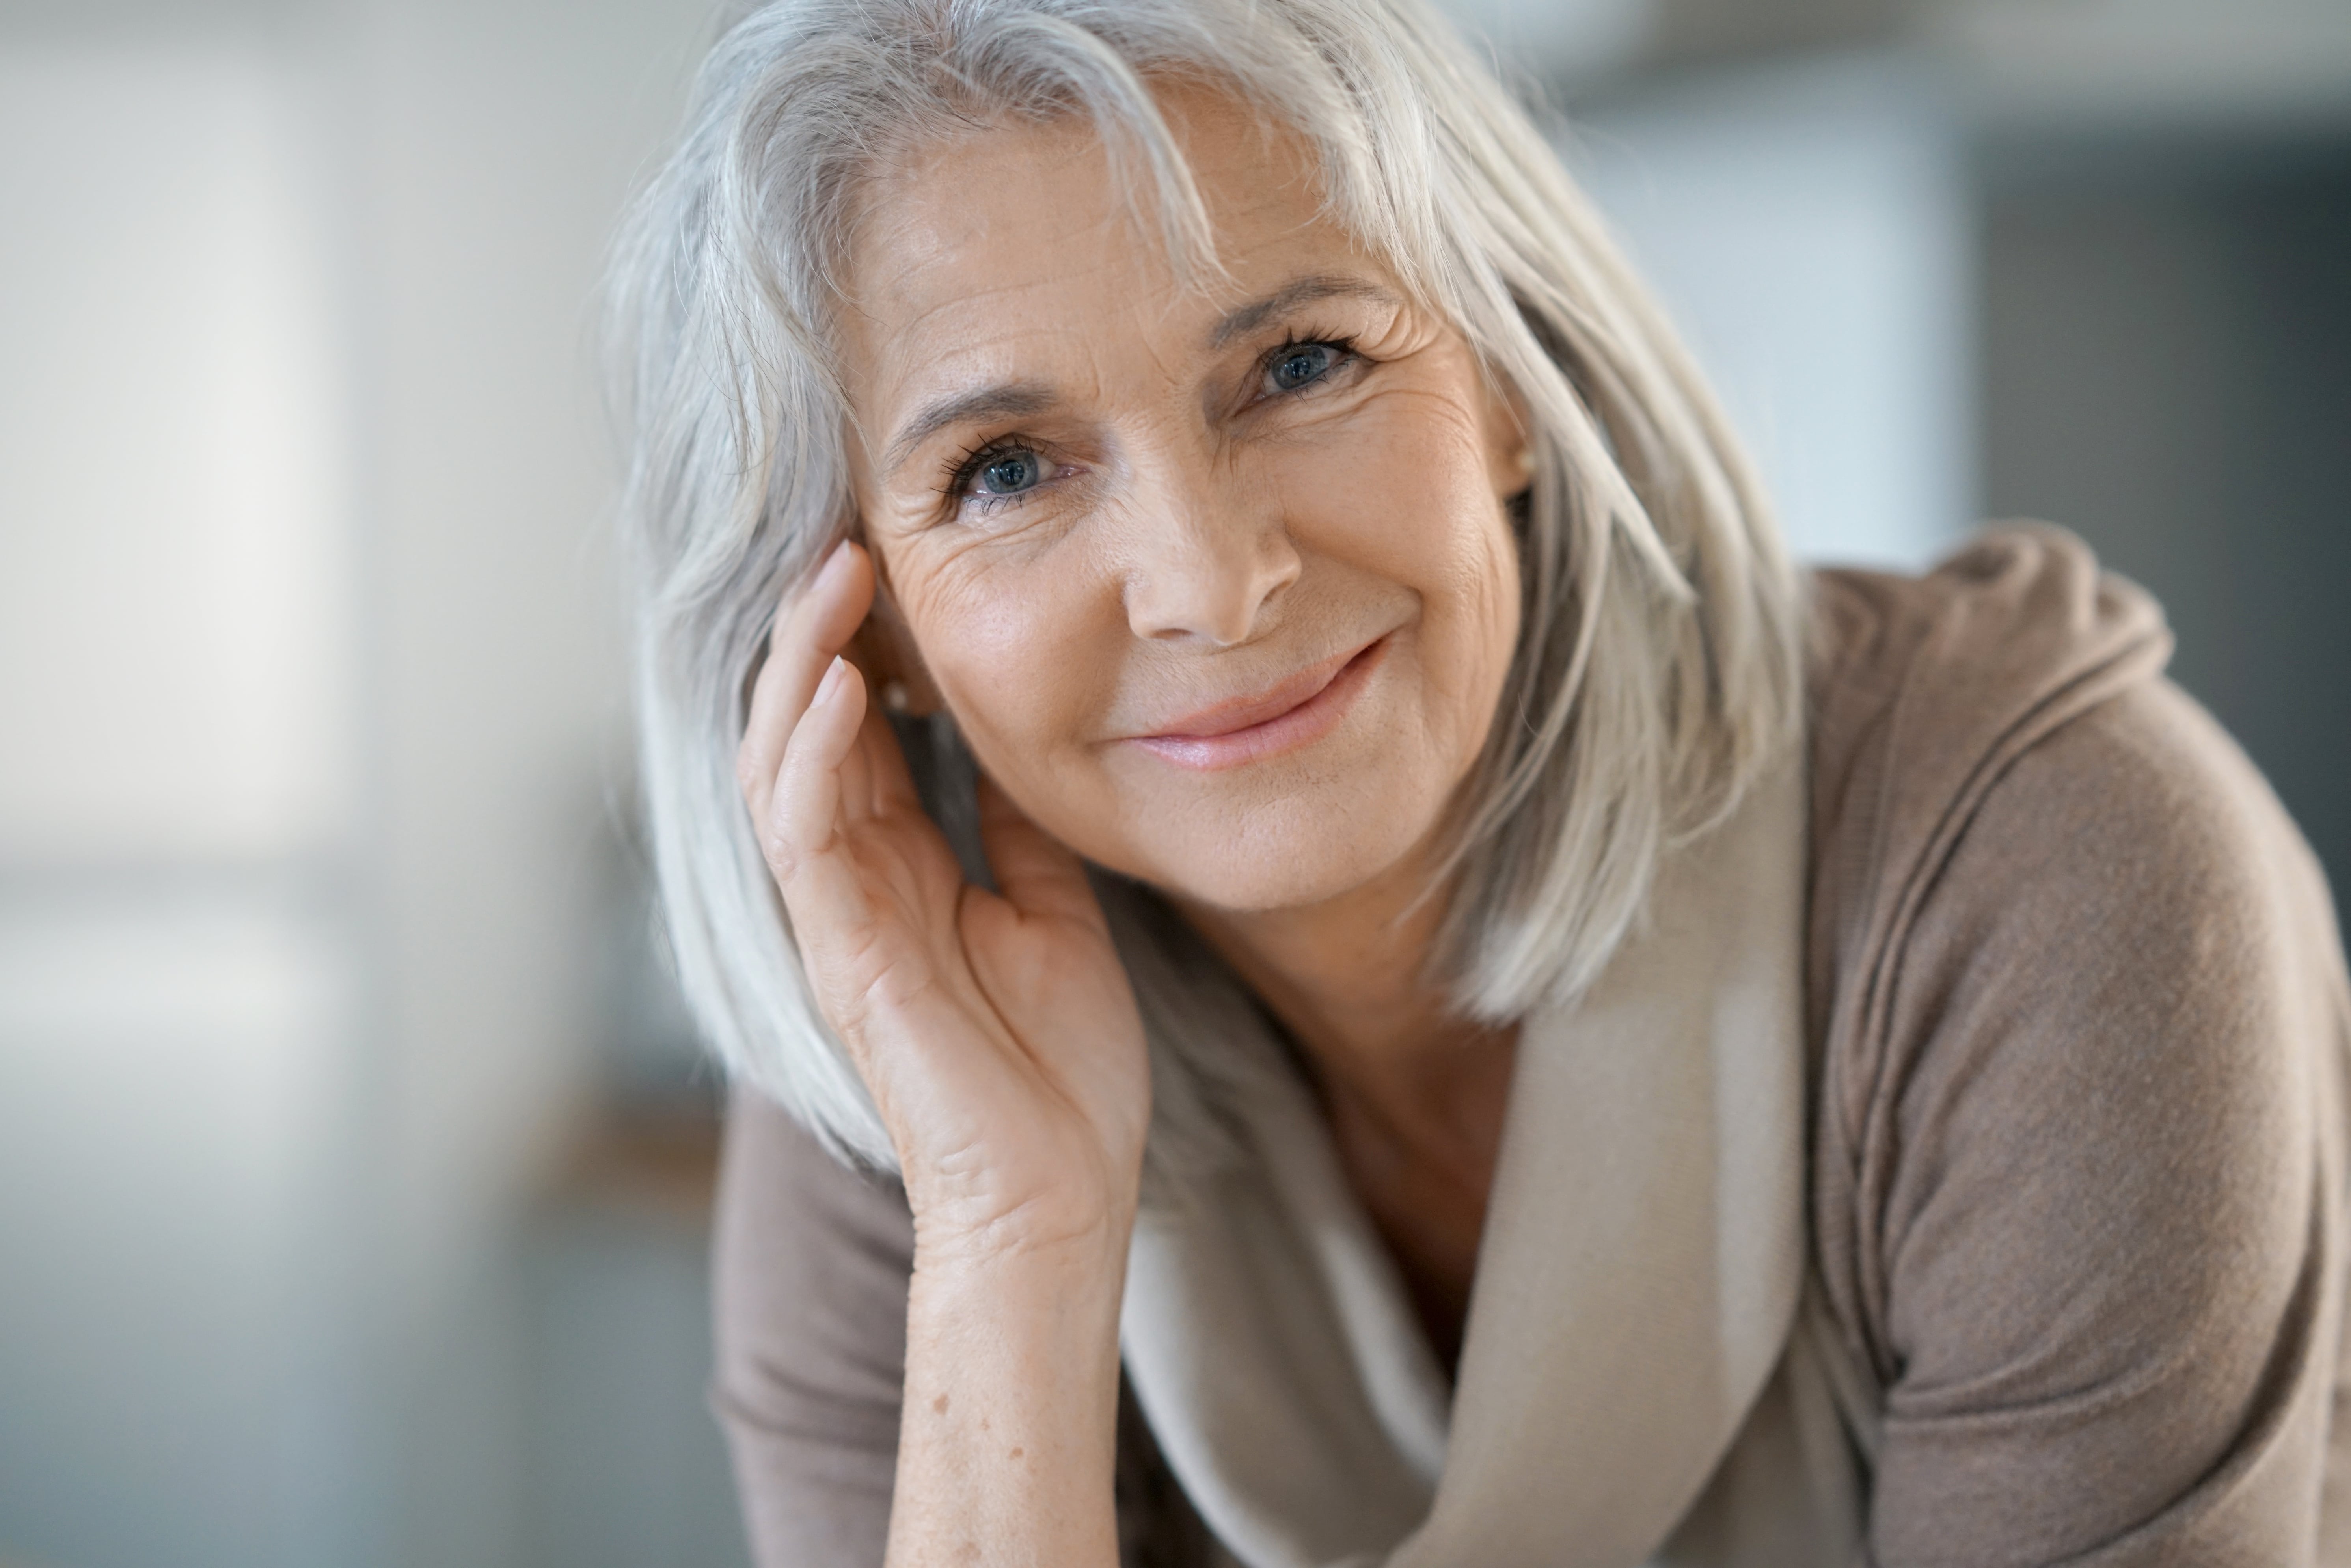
<point x="1638" y="1277"/>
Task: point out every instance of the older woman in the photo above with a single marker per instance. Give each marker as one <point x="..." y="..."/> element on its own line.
<point x="1240" y="773"/>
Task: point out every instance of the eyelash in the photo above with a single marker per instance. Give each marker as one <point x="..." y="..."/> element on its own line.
<point x="966" y="467"/>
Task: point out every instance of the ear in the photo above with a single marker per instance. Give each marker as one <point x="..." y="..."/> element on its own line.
<point x="883" y="648"/>
<point x="1510" y="439"/>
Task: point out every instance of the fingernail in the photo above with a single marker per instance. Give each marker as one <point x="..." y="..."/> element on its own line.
<point x="827" y="687"/>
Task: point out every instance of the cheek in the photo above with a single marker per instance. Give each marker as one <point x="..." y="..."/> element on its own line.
<point x="1487" y="592"/>
<point x="1020" y="649"/>
<point x="1471" y="635"/>
<point x="1406" y="498"/>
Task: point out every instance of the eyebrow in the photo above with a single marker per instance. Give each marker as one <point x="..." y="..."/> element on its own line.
<point x="1243" y="318"/>
<point x="1006" y="400"/>
<point x="1019" y="400"/>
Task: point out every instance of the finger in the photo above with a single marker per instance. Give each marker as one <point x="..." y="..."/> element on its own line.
<point x="876" y="778"/>
<point x="893" y="785"/>
<point x="804" y="816"/>
<point x="805" y="838"/>
<point x="1036" y="872"/>
<point x="862" y="761"/>
<point x="811" y="627"/>
<point x="811" y="630"/>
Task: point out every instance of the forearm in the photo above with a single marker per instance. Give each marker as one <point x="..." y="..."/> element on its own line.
<point x="1008" y="1438"/>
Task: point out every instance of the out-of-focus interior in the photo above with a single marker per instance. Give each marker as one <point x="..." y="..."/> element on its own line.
<point x="354" y="1155"/>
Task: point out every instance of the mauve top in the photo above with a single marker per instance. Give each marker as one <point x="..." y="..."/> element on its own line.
<point x="2079" y="1025"/>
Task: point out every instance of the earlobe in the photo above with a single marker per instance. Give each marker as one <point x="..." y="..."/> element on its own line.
<point x="1510" y="442"/>
<point x="1517" y="489"/>
<point x="885" y="649"/>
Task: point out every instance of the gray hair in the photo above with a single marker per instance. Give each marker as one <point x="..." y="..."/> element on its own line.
<point x="1658" y="672"/>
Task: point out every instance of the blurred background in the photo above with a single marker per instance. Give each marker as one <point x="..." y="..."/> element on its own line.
<point x="353" y="1155"/>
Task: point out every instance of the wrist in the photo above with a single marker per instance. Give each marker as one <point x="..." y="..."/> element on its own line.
<point x="1052" y="1308"/>
<point x="1086" y="1254"/>
<point x="1071" y="1218"/>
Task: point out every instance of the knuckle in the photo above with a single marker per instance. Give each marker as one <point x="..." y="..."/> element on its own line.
<point x="778" y="852"/>
<point x="786" y="857"/>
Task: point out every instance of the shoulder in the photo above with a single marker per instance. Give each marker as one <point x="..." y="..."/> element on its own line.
<point x="2005" y="787"/>
<point x="1922" y="690"/>
<point x="2078" y="1005"/>
<point x="2100" y="986"/>
<point x="2031" y="852"/>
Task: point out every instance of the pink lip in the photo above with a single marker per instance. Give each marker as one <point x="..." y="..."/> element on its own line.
<point x="1300" y="711"/>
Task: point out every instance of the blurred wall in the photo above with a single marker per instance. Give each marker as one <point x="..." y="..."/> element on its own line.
<point x="1808" y="225"/>
<point x="2168" y="370"/>
<point x="308" y="672"/>
<point x="494" y="147"/>
<point x="180" y="978"/>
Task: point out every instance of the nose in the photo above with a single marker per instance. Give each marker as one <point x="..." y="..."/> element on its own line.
<point x="1203" y="560"/>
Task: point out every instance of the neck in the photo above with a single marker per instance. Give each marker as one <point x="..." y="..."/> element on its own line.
<point x="1415" y="1095"/>
<point x="1351" y="979"/>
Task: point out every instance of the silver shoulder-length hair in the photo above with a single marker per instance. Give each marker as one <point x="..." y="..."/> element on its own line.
<point x="1657" y="671"/>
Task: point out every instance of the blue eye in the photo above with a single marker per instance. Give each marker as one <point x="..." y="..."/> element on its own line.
<point x="1000" y="474"/>
<point x="1300" y="364"/>
<point x="1010" y="472"/>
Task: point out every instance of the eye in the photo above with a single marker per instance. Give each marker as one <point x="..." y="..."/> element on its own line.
<point x="1000" y="474"/>
<point x="1009" y="472"/>
<point x="1297" y="365"/>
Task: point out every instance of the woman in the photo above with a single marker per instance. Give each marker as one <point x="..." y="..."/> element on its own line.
<point x="1242" y="777"/>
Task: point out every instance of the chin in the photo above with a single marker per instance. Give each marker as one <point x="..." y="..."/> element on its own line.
<point x="1287" y="854"/>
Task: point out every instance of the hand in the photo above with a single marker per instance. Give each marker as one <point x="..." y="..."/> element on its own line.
<point x="997" y="1033"/>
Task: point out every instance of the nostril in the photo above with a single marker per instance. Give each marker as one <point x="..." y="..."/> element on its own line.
<point x="1217" y="589"/>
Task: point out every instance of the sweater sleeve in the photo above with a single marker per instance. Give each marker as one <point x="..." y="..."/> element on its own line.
<point x="2099" y="1169"/>
<point x="811" y="1263"/>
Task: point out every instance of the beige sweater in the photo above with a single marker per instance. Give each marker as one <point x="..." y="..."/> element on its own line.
<point x="2080" y="1026"/>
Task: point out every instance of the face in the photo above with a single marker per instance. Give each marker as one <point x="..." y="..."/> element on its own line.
<point x="1219" y="586"/>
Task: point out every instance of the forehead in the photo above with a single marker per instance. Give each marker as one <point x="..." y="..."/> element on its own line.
<point x="975" y="253"/>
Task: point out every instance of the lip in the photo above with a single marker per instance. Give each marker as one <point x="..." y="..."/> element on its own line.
<point x="1300" y="711"/>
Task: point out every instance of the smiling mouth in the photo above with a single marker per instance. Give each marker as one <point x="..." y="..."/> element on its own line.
<point x="1299" y="712"/>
